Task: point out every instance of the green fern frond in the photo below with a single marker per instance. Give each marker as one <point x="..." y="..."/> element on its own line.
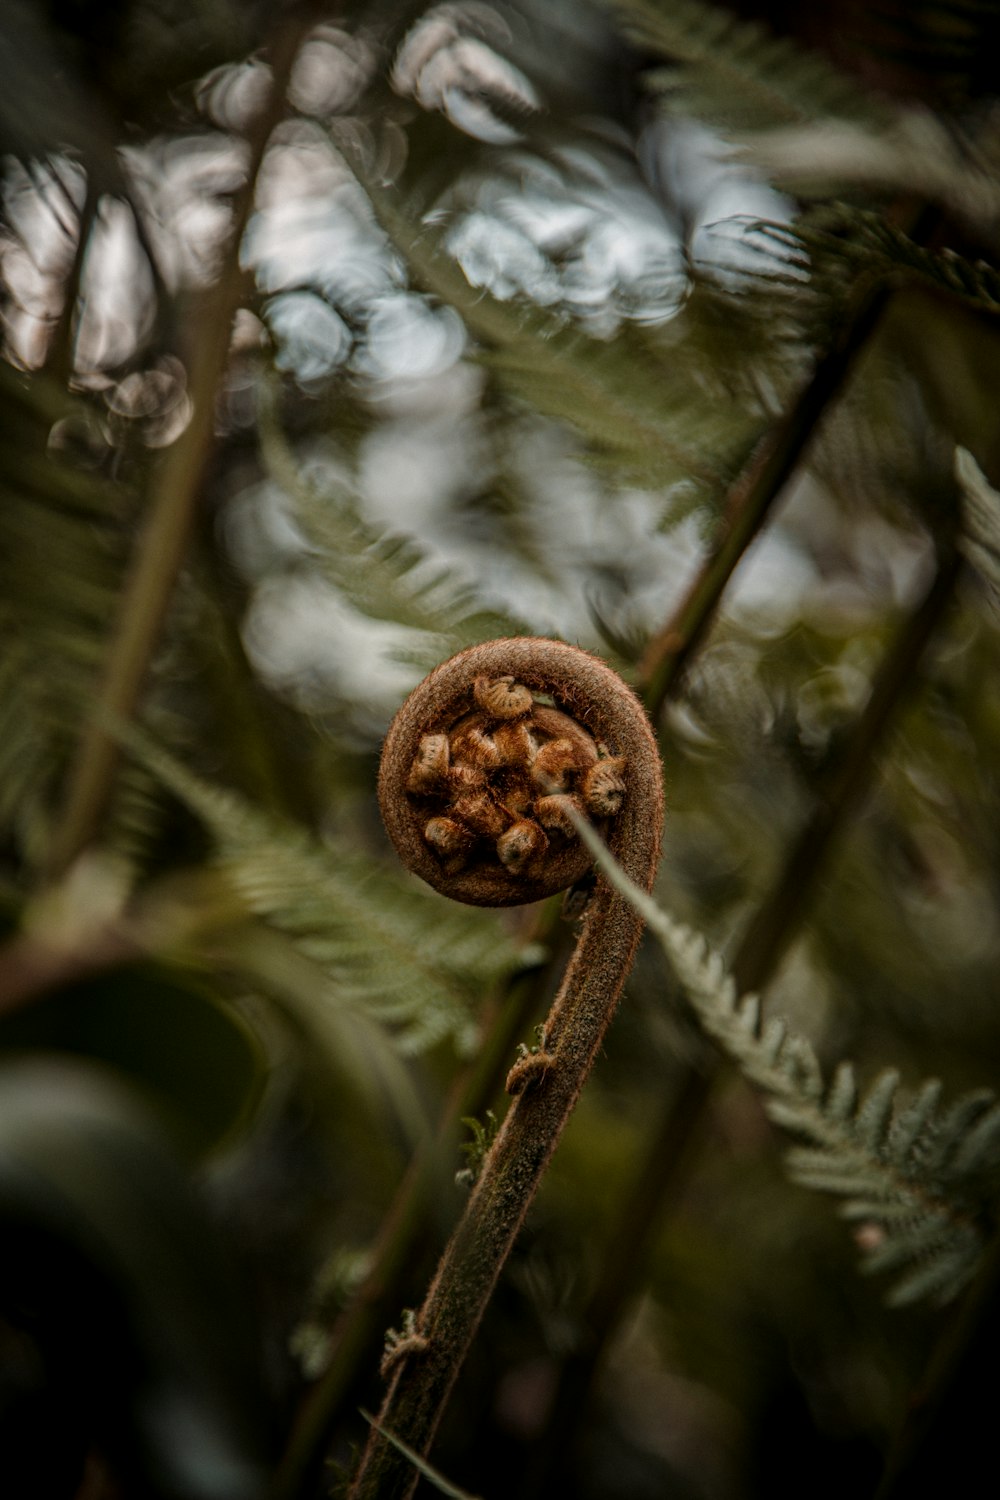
<point x="900" y="1165"/>
<point x="385" y="577"/>
<point x="64" y="540"/>
<point x="980" y="535"/>
<point x="734" y="73"/>
<point x="869" y="244"/>
<point x="389" y="948"/>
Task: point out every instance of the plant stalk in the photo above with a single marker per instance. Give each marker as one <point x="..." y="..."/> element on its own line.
<point x="426" y="1359"/>
<point x="383" y="1289"/>
<point x="760" y="951"/>
<point x="749" y="501"/>
<point x="173" y="504"/>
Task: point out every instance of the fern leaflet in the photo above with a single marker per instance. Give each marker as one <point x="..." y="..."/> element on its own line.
<point x="910" y="1173"/>
<point x="737" y="73"/>
<point x="389" y="948"/>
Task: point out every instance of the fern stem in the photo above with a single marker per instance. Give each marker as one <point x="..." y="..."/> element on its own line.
<point x="776" y="919"/>
<point x="385" y="1285"/>
<point x="173" y="503"/>
<point x="750" y="498"/>
<point x="427" y="1362"/>
<point x="758" y="954"/>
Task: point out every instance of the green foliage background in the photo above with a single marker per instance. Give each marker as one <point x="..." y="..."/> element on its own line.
<point x="442" y="341"/>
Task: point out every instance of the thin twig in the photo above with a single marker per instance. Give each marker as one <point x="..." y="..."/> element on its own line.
<point x="173" y="502"/>
<point x="750" y="499"/>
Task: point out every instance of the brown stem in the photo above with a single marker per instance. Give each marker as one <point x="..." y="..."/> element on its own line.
<point x="750" y="499"/>
<point x="760" y="950"/>
<point x="426" y="1362"/>
<point x="160" y="552"/>
<point x="381" y="1293"/>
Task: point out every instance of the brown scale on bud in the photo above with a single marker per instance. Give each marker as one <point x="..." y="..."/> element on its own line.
<point x="557" y="764"/>
<point x="516" y="792"/>
<point x="522" y="844"/>
<point x="481" y="815"/>
<point x="430" y="767"/>
<point x="463" y="779"/>
<point x="450" y="841"/>
<point x="604" y="787"/>
<point x="502" y="697"/>
<point x="470" y="743"/>
<point x="553" y="813"/>
<point x="515" y="744"/>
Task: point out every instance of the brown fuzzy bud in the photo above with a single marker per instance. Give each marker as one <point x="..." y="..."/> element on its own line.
<point x="463" y="778"/>
<point x="430" y="765"/>
<point x="479" y="812"/>
<point x="450" y="842"/>
<point x="517" y="793"/>
<point x="554" y="765"/>
<point x="604" y="787"/>
<point x="552" y="813"/>
<point x="523" y="842"/>
<point x="514" y="743"/>
<point x="502" y="697"/>
<point x="471" y="744"/>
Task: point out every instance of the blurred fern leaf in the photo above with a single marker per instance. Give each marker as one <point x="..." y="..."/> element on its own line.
<point x="388" y="947"/>
<point x="980" y="539"/>
<point x="65" y="535"/>
<point x="737" y="73"/>
<point x="910" y="1173"/>
<point x="868" y="243"/>
<point x="385" y="577"/>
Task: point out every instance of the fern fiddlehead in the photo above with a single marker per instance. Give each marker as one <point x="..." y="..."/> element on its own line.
<point x="479" y="772"/>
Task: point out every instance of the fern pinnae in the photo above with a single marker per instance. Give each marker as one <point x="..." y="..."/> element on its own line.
<point x="889" y="1162"/>
<point x="772" y="1040"/>
<point x="842" y="1096"/>
<point x="748" y="1013"/>
<point x="378" y="936"/>
<point x="875" y="1113"/>
<point x="937" y="1278"/>
<point x="979" y="1147"/>
<point x="376" y="573"/>
<point x="910" y="1125"/>
<point x="733" y="68"/>
<point x="863" y="241"/>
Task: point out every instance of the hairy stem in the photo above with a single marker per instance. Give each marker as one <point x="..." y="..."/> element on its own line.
<point x="382" y="1292"/>
<point x="428" y="1359"/>
<point x="757" y="956"/>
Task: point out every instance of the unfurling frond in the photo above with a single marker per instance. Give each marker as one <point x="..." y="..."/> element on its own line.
<point x="910" y="1172"/>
